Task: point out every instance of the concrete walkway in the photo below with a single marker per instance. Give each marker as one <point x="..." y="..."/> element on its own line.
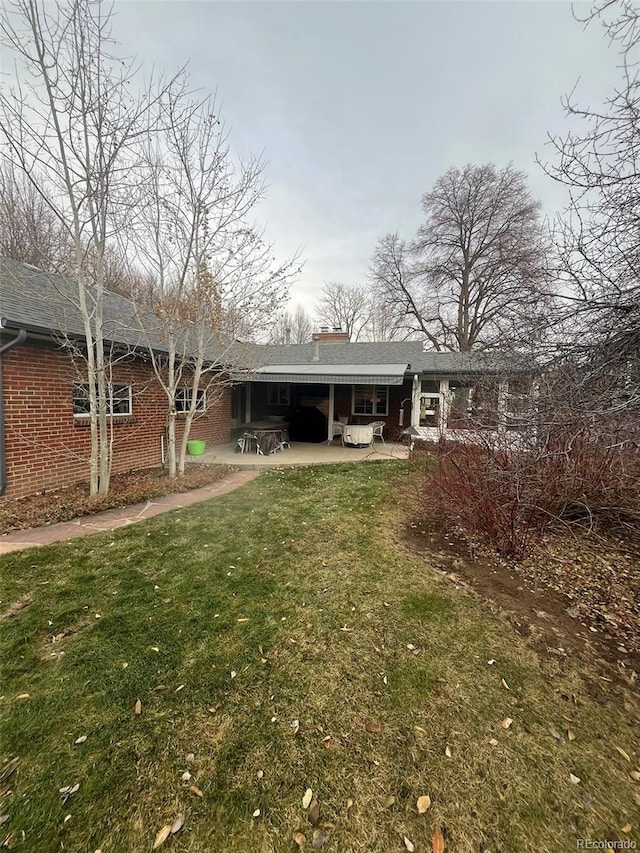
<point x="112" y="519"/>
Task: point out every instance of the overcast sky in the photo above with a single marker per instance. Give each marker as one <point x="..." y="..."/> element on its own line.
<point x="360" y="106"/>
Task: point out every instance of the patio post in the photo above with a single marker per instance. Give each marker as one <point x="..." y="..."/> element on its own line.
<point x="415" y="402"/>
<point x="331" y="413"/>
<point x="247" y="412"/>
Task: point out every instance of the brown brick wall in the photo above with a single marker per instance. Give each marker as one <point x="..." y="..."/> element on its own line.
<point x="47" y="447"/>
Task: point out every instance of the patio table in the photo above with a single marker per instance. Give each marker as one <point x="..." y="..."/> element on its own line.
<point x="269" y="435"/>
<point x="357" y="435"/>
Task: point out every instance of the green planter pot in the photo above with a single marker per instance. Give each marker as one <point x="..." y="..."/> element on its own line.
<point x="196" y="448"/>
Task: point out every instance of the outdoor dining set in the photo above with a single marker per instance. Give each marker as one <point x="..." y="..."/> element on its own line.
<point x="271" y="436"/>
<point x="263" y="437"/>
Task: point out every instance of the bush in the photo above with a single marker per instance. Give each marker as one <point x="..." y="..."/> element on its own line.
<point x="507" y="498"/>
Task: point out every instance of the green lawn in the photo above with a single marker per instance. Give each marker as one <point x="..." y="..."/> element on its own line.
<point x="292" y="599"/>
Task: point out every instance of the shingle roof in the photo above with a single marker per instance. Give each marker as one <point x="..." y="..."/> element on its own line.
<point x="47" y="303"/>
<point x="383" y="352"/>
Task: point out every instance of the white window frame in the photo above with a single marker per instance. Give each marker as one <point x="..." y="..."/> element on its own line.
<point x="376" y="411"/>
<point x="115" y="389"/>
<point x="279" y="394"/>
<point x="183" y="400"/>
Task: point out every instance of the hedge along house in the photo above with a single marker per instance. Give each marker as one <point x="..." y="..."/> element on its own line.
<point x="439" y="394"/>
<point x="44" y="423"/>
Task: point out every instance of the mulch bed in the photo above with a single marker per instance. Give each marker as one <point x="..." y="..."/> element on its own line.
<point x="129" y="488"/>
<point x="579" y="593"/>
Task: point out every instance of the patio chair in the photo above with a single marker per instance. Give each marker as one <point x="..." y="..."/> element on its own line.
<point x="246" y="442"/>
<point x="378" y="429"/>
<point x="337" y="428"/>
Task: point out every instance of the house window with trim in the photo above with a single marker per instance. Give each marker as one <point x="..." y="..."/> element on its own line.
<point x="278" y="394"/>
<point x="519" y="401"/>
<point x="119" y="402"/>
<point x="370" y="400"/>
<point x="183" y="400"/>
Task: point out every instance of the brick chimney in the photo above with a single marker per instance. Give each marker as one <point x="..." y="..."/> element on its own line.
<point x="331" y="336"/>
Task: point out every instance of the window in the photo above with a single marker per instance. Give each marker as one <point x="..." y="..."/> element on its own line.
<point x="278" y="394"/>
<point x="460" y="401"/>
<point x="370" y="400"/>
<point x="184" y="396"/>
<point x="519" y="400"/>
<point x="119" y="402"/>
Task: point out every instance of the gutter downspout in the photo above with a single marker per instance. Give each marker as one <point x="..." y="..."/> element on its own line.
<point x="20" y="338"/>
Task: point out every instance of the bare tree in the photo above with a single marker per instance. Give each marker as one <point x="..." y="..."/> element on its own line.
<point x="70" y="123"/>
<point x="475" y="271"/>
<point x="599" y="237"/>
<point x="295" y="327"/>
<point x="29" y="231"/>
<point x="345" y="307"/>
<point x="209" y="265"/>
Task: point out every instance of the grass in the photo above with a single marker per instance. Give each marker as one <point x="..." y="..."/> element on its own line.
<point x="298" y="583"/>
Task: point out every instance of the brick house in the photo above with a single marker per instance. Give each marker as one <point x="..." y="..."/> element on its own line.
<point x="44" y="435"/>
<point x="44" y="424"/>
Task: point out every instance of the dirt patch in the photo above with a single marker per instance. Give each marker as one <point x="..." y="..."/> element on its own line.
<point x="16" y="607"/>
<point x="129" y="488"/>
<point x="53" y="648"/>
<point x="539" y="596"/>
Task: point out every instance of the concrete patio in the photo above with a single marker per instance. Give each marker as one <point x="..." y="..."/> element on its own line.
<point x="301" y="453"/>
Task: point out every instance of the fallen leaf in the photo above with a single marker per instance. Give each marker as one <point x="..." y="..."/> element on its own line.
<point x="624" y="754"/>
<point x="195" y="790"/>
<point x="506" y="723"/>
<point x="408" y="844"/>
<point x="306" y="800"/>
<point x="260" y="774"/>
<point x="491" y="662"/>
<point x="300" y="839"/>
<point x="570" y="735"/>
<point x="160" y="687"/>
<point x="626" y="828"/>
<point x="423" y="803"/>
<point x="318" y="840"/>
<point x="372" y="727"/>
<point x="349" y="803"/>
<point x="9" y="768"/>
<point x="437" y="841"/>
<point x="186" y="776"/>
<point x="182" y="686"/>
<point x="79" y="740"/>
<point x="233" y="673"/>
<point x="177" y="825"/>
<point x="575" y="780"/>
<point x="189" y="757"/>
<point x="493" y="742"/>
<point x="22" y="696"/>
<point x="314" y="812"/>
<point x="246" y="619"/>
<point x="155" y="649"/>
<point x="257" y="811"/>
<point x="389" y="802"/>
<point x="447" y="751"/>
<point x="635" y="775"/>
<point x="295" y="725"/>
<point x="162" y="836"/>
<point x="138" y="707"/>
<point x="504" y="684"/>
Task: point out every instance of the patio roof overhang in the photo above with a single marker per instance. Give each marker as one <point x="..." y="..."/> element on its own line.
<point x="330" y="374"/>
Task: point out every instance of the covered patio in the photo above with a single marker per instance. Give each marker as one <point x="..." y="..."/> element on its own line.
<point x="303" y="453"/>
